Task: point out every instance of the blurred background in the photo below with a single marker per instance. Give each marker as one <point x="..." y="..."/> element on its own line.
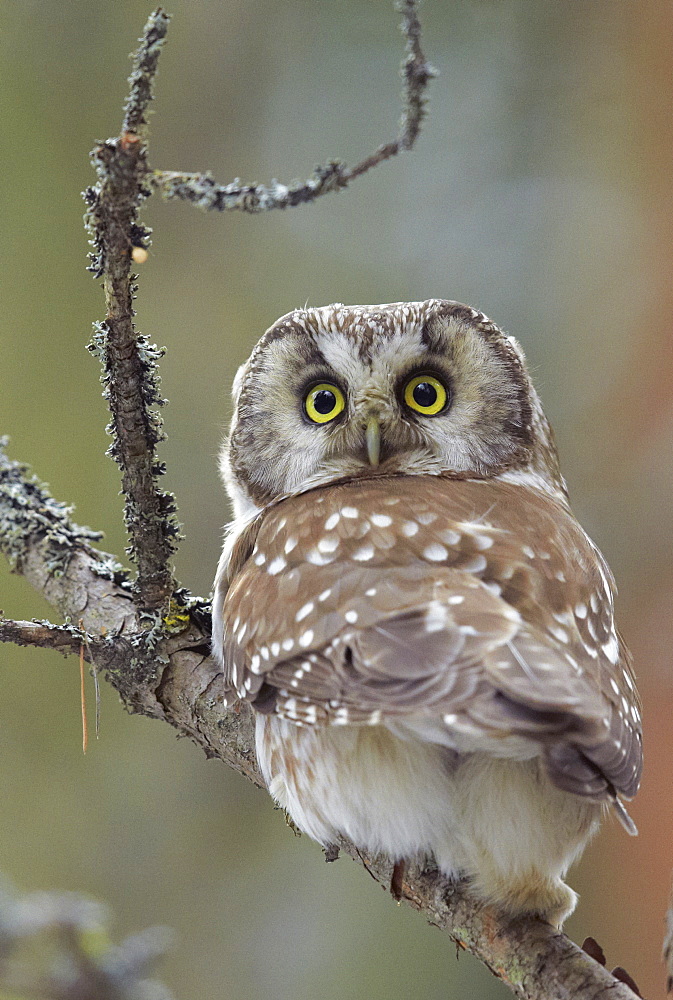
<point x="541" y="192"/>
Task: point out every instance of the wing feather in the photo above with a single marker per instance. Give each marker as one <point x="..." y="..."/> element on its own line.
<point x="470" y="608"/>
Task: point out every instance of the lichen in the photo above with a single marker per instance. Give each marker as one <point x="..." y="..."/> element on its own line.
<point x="29" y="513"/>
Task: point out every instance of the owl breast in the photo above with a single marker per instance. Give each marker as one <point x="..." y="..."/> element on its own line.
<point x="500" y="822"/>
<point x="361" y="783"/>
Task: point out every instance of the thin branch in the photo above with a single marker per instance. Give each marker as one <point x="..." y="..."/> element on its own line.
<point x="205" y="193"/>
<point x="129" y="361"/>
<point x="62" y="638"/>
<point x="27" y="510"/>
<point x="144" y="70"/>
<point x="55" y="555"/>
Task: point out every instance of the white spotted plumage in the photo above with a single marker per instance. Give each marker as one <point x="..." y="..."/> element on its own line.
<point x="426" y="632"/>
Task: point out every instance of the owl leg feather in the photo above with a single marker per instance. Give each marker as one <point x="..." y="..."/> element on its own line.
<point x="519" y="835"/>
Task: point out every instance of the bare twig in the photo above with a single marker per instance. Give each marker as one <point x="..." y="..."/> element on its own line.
<point x="144" y="70"/>
<point x="204" y="192"/>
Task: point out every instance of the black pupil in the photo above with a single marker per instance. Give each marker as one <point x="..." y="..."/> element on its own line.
<point x="324" y="401"/>
<point x="425" y="394"/>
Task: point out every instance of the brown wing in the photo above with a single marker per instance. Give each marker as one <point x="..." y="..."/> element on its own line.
<point x="480" y="605"/>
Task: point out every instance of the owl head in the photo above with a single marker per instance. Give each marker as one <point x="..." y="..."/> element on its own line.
<point x="423" y="388"/>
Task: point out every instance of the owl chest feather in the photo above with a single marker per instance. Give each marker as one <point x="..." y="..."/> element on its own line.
<point x="386" y="794"/>
<point x="408" y="798"/>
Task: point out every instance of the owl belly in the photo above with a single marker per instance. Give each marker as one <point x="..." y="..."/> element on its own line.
<point x="387" y="795"/>
<point x="500" y="821"/>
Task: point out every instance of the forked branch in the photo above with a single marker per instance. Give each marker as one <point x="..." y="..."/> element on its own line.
<point x="205" y="193"/>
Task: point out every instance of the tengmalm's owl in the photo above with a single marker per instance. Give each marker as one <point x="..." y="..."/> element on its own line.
<point x="405" y="598"/>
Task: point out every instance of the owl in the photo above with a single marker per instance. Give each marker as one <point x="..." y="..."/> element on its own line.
<point x="405" y="598"/>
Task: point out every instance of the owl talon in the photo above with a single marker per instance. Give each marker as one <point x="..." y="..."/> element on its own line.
<point x="397" y="880"/>
<point x="593" y="949"/>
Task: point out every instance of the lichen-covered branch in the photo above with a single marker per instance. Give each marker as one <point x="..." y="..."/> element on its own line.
<point x="204" y="192"/>
<point x="129" y="361"/>
<point x="78" y="959"/>
<point x="62" y="638"/>
<point x="144" y="70"/>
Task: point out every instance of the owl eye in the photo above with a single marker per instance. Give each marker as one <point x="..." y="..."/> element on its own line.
<point x="324" y="402"/>
<point x="425" y="394"/>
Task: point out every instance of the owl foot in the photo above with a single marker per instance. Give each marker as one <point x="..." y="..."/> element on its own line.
<point x="397" y="880"/>
<point x="533" y="895"/>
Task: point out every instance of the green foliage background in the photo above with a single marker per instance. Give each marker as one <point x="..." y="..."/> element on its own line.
<point x="540" y="191"/>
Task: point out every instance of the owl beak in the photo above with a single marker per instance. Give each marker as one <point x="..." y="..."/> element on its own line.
<point x="373" y="437"/>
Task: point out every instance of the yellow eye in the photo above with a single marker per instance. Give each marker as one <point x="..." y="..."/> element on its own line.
<point x="324" y="402"/>
<point x="425" y="394"/>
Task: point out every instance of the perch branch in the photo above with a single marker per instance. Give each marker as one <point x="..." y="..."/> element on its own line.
<point x="203" y="191"/>
<point x="150" y="639"/>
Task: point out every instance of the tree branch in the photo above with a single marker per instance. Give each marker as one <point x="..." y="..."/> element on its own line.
<point x="62" y="638"/>
<point x="129" y="361"/>
<point x="151" y="639"/>
<point x="205" y="193"/>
